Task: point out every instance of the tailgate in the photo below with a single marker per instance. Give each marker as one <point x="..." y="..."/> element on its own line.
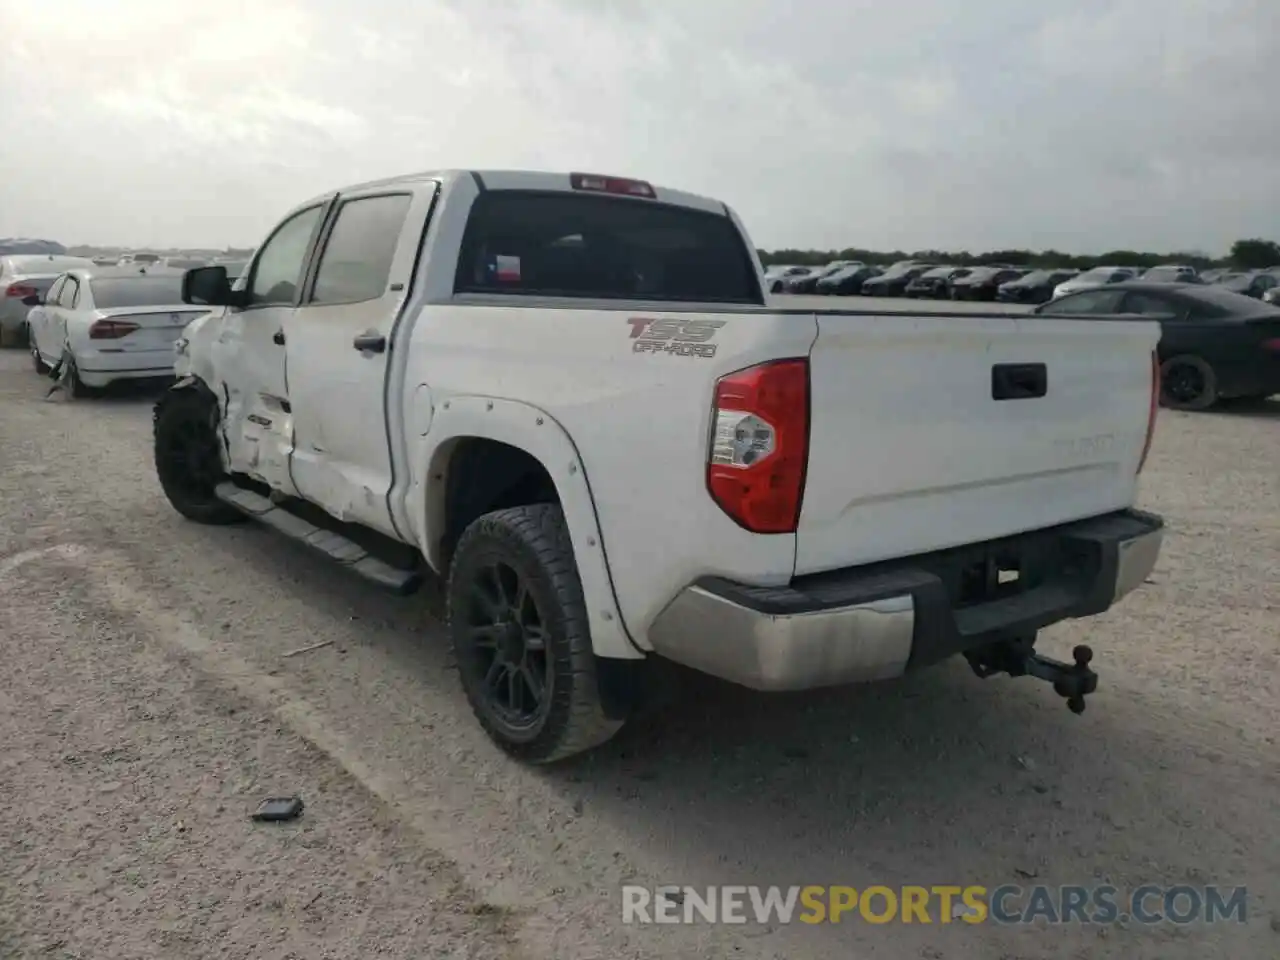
<point x="156" y="328"/>
<point x="909" y="450"/>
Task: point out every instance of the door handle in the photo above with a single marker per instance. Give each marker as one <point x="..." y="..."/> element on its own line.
<point x="370" y="342"/>
<point x="1019" y="381"/>
<point x="278" y="338"/>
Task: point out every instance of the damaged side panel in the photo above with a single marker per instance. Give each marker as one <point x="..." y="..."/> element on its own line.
<point x="234" y="353"/>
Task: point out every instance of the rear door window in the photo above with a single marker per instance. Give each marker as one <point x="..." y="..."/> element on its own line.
<point x="555" y="244"/>
<point x="51" y="298"/>
<point x="1088" y="302"/>
<point x="1149" y="305"/>
<point x="70" y="295"/>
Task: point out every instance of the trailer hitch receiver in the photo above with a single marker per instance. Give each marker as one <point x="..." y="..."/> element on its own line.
<point x="1017" y="657"/>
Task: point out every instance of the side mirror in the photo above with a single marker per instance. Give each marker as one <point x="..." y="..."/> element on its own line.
<point x="206" y="286"/>
<point x="33" y="300"/>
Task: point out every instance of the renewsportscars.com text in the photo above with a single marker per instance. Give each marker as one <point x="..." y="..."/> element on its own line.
<point x="1007" y="904"/>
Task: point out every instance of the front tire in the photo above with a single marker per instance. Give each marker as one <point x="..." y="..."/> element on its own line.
<point x="522" y="638"/>
<point x="1187" y="382"/>
<point x="188" y="459"/>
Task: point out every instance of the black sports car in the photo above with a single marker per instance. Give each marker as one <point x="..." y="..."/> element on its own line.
<point x="1215" y="344"/>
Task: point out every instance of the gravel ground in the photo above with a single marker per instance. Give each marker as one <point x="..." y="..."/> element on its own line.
<point x="147" y="705"/>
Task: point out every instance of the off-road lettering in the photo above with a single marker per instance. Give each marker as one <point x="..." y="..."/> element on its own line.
<point x="682" y="338"/>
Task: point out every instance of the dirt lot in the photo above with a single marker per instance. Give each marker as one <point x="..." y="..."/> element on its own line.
<point x="146" y="706"/>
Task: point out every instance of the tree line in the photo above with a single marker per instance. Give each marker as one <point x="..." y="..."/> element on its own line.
<point x="1253" y="254"/>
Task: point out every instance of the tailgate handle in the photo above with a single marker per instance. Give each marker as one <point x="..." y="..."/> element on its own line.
<point x="1019" y="381"/>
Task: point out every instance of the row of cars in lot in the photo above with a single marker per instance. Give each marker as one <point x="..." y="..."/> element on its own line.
<point x="95" y="322"/>
<point x="996" y="282"/>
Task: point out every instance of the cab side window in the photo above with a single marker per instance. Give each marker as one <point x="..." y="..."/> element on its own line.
<point x="1150" y="305"/>
<point x="279" y="267"/>
<point x="70" y="294"/>
<point x="356" y="262"/>
<point x="1087" y="302"/>
<point x="55" y="291"/>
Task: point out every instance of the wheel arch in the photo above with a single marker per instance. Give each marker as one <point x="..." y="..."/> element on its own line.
<point x="482" y="454"/>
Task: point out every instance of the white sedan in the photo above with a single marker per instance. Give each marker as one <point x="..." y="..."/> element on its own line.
<point x="103" y="325"/>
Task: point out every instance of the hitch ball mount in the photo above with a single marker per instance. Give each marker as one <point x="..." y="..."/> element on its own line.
<point x="1017" y="657"/>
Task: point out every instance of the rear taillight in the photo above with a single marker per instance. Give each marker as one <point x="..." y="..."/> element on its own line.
<point x="1272" y="345"/>
<point x="19" y="291"/>
<point x="618" y="185"/>
<point x="760" y="445"/>
<point x="1151" y="414"/>
<point x="110" y="329"/>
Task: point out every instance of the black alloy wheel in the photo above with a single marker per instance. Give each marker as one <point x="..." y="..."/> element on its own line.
<point x="508" y="642"/>
<point x="1188" y="383"/>
<point x="522" y="637"/>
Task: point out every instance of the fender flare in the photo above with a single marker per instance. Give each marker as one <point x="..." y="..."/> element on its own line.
<point x="541" y="436"/>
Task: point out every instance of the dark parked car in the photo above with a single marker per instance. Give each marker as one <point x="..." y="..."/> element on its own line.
<point x="848" y="281"/>
<point x="807" y="283"/>
<point x="1171" y="273"/>
<point x="936" y="283"/>
<point x="1215" y="344"/>
<point x="1253" y="284"/>
<point x="983" y="282"/>
<point x="1036" y="287"/>
<point x="893" y="282"/>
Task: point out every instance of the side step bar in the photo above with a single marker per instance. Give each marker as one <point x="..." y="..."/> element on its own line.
<point x="333" y="545"/>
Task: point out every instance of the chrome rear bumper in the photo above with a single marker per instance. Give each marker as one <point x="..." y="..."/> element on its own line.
<point x="875" y="623"/>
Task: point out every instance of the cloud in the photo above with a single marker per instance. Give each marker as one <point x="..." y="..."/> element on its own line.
<point x="1127" y="123"/>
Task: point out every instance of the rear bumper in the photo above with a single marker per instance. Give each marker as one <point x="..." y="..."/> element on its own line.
<point x="877" y="622"/>
<point x="97" y="368"/>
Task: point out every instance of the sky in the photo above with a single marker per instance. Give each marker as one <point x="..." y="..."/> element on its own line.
<point x="916" y="124"/>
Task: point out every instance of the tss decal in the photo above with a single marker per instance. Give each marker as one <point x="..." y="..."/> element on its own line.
<point x="682" y="338"/>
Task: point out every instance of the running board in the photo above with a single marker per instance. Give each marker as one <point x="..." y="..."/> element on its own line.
<point x="333" y="545"/>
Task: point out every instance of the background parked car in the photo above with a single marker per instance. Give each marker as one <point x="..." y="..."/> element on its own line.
<point x="1215" y="344"/>
<point x="24" y="275"/>
<point x="983" y="282"/>
<point x="109" y="324"/>
<point x="848" y="281"/>
<point x="936" y="282"/>
<point x="893" y="282"/>
<point x="1097" y="277"/>
<point x="1252" y="284"/>
<point x="775" y="275"/>
<point x="1171" y="273"/>
<point x="807" y="283"/>
<point x="1035" y="287"/>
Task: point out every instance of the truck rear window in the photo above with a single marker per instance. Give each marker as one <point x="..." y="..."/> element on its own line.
<point x="571" y="245"/>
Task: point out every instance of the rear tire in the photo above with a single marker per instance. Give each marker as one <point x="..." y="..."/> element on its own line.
<point x="1187" y="382"/>
<point x="188" y="458"/>
<point x="522" y="638"/>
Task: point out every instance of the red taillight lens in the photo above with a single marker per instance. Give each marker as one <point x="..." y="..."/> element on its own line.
<point x="1272" y="345"/>
<point x="110" y="329"/>
<point x="619" y="185"/>
<point x="1155" y="408"/>
<point x="760" y="445"/>
<point x="19" y="291"/>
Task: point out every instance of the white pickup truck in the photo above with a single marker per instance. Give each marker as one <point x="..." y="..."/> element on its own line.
<point x="569" y="395"/>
